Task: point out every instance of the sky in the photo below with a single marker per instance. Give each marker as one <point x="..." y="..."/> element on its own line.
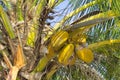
<point x="59" y="9"/>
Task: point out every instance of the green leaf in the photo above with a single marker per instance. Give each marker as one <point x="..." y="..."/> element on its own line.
<point x="19" y="10"/>
<point x="6" y="23"/>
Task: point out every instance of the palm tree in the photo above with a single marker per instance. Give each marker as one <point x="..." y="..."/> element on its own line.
<point x="73" y="49"/>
